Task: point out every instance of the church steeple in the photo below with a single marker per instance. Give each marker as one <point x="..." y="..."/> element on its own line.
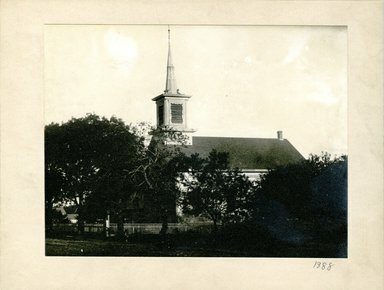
<point x="170" y="86"/>
<point x="172" y="105"/>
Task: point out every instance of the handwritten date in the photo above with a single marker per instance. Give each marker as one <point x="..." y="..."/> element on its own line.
<point x="323" y="265"/>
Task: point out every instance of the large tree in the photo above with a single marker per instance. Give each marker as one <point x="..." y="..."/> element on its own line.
<point x="292" y="185"/>
<point x="215" y="190"/>
<point x="86" y="159"/>
<point x="158" y="168"/>
<point x="313" y="193"/>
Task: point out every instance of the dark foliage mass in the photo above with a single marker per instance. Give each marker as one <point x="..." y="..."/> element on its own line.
<point x="103" y="167"/>
<point x="306" y="202"/>
<point x="216" y="191"/>
<point x="85" y="164"/>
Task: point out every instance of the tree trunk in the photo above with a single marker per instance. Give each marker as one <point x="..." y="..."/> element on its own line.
<point x="80" y="220"/>
<point x="214" y="226"/>
<point x="164" y="229"/>
<point x="164" y="222"/>
<point x="120" y="226"/>
<point x="214" y="232"/>
<point x="80" y="225"/>
<point x="105" y="227"/>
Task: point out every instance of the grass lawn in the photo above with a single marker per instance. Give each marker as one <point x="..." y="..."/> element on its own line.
<point x="63" y="247"/>
<point x="244" y="241"/>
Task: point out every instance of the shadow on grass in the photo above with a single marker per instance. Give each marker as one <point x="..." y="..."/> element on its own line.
<point x="246" y="240"/>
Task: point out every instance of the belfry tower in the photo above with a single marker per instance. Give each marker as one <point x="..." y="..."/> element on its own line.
<point x="171" y="106"/>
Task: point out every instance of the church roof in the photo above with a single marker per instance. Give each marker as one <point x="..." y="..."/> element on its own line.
<point x="247" y="153"/>
<point x="244" y="153"/>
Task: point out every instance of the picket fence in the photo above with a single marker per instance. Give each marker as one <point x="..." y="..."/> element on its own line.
<point x="133" y="228"/>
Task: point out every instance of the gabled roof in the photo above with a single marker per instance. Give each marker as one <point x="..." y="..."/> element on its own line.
<point x="247" y="153"/>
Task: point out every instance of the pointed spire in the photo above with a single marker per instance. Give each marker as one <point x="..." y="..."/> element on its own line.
<point x="170" y="86"/>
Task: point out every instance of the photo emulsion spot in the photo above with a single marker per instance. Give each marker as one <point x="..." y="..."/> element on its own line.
<point x="196" y="141"/>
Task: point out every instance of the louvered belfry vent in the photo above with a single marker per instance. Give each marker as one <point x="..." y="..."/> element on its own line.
<point x="171" y="105"/>
<point x="177" y="113"/>
<point x="161" y="115"/>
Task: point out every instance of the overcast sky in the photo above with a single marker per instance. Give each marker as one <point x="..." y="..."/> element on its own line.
<point x="245" y="81"/>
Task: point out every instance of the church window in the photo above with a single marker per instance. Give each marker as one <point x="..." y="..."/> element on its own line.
<point x="161" y="115"/>
<point x="177" y="113"/>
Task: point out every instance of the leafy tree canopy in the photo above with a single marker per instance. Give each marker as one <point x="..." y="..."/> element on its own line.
<point x="87" y="157"/>
<point x="313" y="191"/>
<point x="216" y="191"/>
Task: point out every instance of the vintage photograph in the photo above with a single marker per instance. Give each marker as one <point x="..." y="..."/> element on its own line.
<point x="196" y="141"/>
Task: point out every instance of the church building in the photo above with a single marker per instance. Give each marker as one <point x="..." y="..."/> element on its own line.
<point x="254" y="156"/>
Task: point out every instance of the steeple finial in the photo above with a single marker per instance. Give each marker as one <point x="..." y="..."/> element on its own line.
<point x="169" y="36"/>
<point x="170" y="86"/>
